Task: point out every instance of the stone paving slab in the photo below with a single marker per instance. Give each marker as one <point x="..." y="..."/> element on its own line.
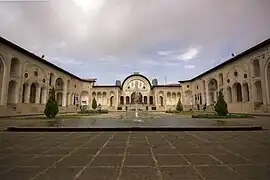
<point x="135" y="155"/>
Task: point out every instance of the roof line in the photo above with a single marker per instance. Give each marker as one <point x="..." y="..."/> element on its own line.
<point x="32" y="55"/>
<point x="261" y="44"/>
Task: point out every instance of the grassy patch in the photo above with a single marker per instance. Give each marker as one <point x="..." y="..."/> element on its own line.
<point x="215" y="116"/>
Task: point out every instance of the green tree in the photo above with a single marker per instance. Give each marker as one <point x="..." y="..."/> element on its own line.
<point x="94" y="104"/>
<point x="51" y="109"/>
<point x="179" y="106"/>
<point x="221" y="106"/>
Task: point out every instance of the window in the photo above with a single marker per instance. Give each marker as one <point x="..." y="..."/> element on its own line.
<point x="26" y="75"/>
<point x="228" y="80"/>
<point x="36" y="73"/>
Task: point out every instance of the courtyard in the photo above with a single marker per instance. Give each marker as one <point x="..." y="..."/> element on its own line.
<point x="134" y="155"/>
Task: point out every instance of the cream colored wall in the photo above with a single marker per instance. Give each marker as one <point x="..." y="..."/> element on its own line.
<point x="29" y="66"/>
<point x="242" y="66"/>
<point x="109" y="92"/>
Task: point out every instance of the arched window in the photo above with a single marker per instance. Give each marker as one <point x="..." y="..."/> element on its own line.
<point x="127" y="100"/>
<point x="122" y="100"/>
<point x="145" y="99"/>
<point x="161" y="100"/>
<point x="59" y="84"/>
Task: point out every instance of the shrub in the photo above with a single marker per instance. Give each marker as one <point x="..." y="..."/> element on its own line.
<point x="179" y="106"/>
<point x="221" y="106"/>
<point x="94" y="104"/>
<point x="51" y="109"/>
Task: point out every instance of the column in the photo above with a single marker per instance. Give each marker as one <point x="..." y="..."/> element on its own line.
<point x="207" y="95"/>
<point x="68" y="99"/>
<point x="37" y="100"/>
<point x="27" y="94"/>
<point x="64" y="100"/>
<point x="116" y="99"/>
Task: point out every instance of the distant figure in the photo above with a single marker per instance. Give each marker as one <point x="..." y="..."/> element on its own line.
<point x="198" y="107"/>
<point x="99" y="108"/>
<point x="232" y="54"/>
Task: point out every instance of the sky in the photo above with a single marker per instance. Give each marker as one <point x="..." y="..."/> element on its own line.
<point x="111" y="39"/>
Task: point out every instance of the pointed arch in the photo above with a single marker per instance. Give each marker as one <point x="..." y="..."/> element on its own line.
<point x="33" y="90"/>
<point x="237" y="92"/>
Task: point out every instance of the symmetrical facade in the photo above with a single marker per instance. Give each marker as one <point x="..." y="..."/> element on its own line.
<point x="25" y="80"/>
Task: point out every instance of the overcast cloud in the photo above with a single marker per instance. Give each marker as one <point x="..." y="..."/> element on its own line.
<point x="110" y="39"/>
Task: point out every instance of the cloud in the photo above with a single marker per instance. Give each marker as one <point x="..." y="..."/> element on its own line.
<point x="61" y="61"/>
<point x="189" y="66"/>
<point x="164" y="53"/>
<point x="171" y="64"/>
<point x="149" y="62"/>
<point x="190" y="54"/>
<point x="88" y="31"/>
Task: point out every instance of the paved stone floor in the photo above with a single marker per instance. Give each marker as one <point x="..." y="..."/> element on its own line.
<point x="135" y="155"/>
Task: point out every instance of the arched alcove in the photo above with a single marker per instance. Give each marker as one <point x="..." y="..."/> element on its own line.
<point x="237" y="92"/>
<point x="213" y="90"/>
<point x="33" y="92"/>
<point x="15" y="67"/>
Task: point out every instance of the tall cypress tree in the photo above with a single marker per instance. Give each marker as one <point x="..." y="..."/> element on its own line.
<point x="179" y="106"/>
<point x="221" y="106"/>
<point x="51" y="109"/>
<point x="94" y="104"/>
